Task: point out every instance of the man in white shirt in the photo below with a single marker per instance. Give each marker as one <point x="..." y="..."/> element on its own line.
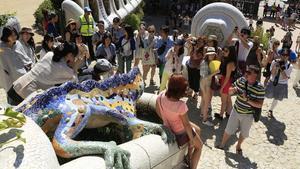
<point x="243" y="46"/>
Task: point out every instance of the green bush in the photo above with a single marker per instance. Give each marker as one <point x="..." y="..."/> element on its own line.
<point x="38" y="14"/>
<point x="133" y="20"/>
<point x="5" y="17"/>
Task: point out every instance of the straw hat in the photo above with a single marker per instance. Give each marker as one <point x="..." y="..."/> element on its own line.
<point x="71" y="21"/>
<point x="210" y="51"/>
<point x="27" y="30"/>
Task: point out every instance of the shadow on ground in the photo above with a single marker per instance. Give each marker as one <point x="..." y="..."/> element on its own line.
<point x="208" y="133"/>
<point x="238" y="161"/>
<point x="275" y="130"/>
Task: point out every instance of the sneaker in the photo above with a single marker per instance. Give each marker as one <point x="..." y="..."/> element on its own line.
<point x="207" y="123"/>
<point x="218" y="116"/>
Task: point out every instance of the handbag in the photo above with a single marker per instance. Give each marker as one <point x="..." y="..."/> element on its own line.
<point x="256" y="111"/>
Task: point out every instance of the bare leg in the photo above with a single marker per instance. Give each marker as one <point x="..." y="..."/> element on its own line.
<point x="146" y="69"/>
<point x="152" y="71"/>
<point x="224" y="139"/>
<point x="240" y="141"/>
<point x="229" y="104"/>
<point x="197" y="152"/>
<point x="223" y="103"/>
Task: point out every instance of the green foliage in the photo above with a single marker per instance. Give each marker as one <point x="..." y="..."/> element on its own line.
<point x="133" y="20"/>
<point x="14" y="120"/>
<point x="56" y="4"/>
<point x="5" y="17"/>
<point x="38" y="14"/>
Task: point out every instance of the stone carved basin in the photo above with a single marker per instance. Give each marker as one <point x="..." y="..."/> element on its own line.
<point x="147" y="152"/>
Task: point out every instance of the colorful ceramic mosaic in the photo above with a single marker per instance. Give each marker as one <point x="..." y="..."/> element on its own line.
<point x="68" y="109"/>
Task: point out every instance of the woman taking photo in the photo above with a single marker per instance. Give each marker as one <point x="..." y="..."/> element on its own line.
<point x="127" y="46"/>
<point x="173" y="65"/>
<point x="11" y="63"/>
<point x="272" y="55"/>
<point x="193" y="65"/>
<point x="47" y="45"/>
<point x="54" y="69"/>
<point x="227" y="71"/>
<point x="277" y="87"/>
<point x="149" y="58"/>
<point x="140" y="39"/>
<point x="173" y="112"/>
<point x="106" y="50"/>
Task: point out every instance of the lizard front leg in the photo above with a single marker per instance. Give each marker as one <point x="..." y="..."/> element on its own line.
<point x="65" y="146"/>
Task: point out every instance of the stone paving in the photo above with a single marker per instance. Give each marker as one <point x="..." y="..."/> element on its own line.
<point x="273" y="143"/>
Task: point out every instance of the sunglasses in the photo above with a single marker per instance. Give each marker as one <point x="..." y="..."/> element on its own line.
<point x="248" y="72"/>
<point x="244" y="32"/>
<point x="151" y="31"/>
<point x="226" y="50"/>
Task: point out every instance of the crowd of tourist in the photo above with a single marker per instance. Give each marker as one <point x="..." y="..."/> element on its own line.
<point x="235" y="68"/>
<point x="287" y="17"/>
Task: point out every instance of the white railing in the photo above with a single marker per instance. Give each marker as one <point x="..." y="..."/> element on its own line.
<point x="75" y="9"/>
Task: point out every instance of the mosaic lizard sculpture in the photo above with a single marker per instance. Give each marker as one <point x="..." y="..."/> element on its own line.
<point x="71" y="107"/>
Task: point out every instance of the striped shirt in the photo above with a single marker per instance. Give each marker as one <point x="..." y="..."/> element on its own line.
<point x="255" y="92"/>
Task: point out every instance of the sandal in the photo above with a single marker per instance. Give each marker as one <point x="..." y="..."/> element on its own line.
<point x="218" y="116"/>
<point x="220" y="147"/>
<point x="195" y="96"/>
<point x="239" y="151"/>
<point x="270" y="114"/>
<point x="187" y="160"/>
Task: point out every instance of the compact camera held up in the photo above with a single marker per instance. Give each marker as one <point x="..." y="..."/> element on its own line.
<point x="280" y="63"/>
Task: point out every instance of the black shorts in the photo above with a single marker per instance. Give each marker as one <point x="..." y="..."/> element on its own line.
<point x="183" y="138"/>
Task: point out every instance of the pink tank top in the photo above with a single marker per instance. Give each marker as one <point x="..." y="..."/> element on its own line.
<point x="171" y="111"/>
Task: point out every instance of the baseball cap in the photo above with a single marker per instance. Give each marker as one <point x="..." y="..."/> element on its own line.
<point x="87" y="9"/>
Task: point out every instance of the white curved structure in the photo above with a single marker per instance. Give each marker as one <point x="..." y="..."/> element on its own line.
<point x="75" y="9"/>
<point x="71" y="9"/>
<point x="218" y="19"/>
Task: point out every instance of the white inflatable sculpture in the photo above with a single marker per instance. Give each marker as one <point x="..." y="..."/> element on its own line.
<point x="218" y="19"/>
<point x="73" y="9"/>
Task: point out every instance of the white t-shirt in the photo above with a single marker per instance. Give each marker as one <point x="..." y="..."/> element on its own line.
<point x="243" y="52"/>
<point x="287" y="70"/>
<point x="173" y="62"/>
